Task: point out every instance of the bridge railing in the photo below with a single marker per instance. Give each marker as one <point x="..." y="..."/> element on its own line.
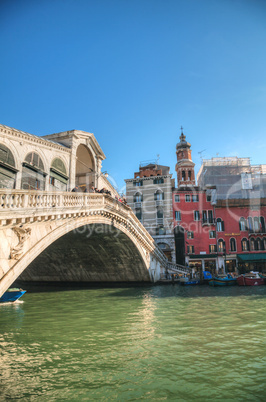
<point x="177" y="267"/>
<point x="15" y="204"/>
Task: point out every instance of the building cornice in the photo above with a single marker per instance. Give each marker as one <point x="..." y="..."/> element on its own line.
<point x="31" y="138"/>
<point x="149" y="178"/>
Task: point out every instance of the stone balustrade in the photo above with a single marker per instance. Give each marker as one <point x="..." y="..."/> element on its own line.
<point x="24" y="206"/>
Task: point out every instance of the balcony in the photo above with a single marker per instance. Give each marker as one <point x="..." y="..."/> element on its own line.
<point x="208" y="222"/>
<point x="138" y="204"/>
<point x="159" y="221"/>
<point x="159" y="203"/>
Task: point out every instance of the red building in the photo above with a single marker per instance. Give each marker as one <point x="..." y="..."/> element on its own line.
<point x="211" y="234"/>
<point x="240" y="229"/>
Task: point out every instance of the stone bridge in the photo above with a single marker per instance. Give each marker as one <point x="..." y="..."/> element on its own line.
<point x="74" y="237"/>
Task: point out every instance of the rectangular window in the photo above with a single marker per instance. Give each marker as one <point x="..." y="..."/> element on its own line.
<point x="196" y="216"/>
<point x="177" y="198"/>
<point x="195" y="198"/>
<point x="188" y="199"/>
<point x="138" y="183"/>
<point x="158" y="181"/>
<point x="190" y="235"/>
<point x="177" y="215"/>
<point x="208" y="197"/>
<point x="212" y="248"/>
<point x="204" y="216"/>
<point x="210" y="217"/>
<point x="190" y="249"/>
<point x="212" y="234"/>
<point x="207" y="217"/>
<point x="138" y="214"/>
<point x="159" y="213"/>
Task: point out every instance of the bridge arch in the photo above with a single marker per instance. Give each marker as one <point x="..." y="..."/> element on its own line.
<point x="50" y="232"/>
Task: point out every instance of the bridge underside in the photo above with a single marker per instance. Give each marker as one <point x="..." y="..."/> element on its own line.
<point x="92" y="253"/>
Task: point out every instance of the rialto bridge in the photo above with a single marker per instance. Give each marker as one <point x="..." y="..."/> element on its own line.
<point x="74" y="237"/>
<point x="49" y="233"/>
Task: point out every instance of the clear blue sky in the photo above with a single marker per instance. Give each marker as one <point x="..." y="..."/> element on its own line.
<point x="132" y="72"/>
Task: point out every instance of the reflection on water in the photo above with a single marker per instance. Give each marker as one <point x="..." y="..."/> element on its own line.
<point x="153" y="343"/>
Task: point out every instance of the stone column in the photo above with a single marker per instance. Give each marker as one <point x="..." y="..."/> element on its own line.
<point x="72" y="168"/>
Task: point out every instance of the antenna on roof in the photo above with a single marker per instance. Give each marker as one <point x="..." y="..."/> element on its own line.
<point x="200" y="152"/>
<point x="157" y="160"/>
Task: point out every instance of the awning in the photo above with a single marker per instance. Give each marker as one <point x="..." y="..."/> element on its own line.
<point x="251" y="257"/>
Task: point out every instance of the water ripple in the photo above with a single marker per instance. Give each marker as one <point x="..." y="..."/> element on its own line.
<point x="154" y="343"/>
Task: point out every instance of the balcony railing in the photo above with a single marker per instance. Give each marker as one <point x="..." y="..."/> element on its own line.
<point x="208" y="222"/>
<point x="159" y="203"/>
<point x="138" y="204"/>
<point x="159" y="221"/>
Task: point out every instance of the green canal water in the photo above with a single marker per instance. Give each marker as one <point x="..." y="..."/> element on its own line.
<point x="137" y="343"/>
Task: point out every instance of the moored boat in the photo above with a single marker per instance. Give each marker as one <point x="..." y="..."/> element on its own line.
<point x="222" y="280"/>
<point x="251" y="279"/>
<point x="187" y="280"/>
<point x="12" y="295"/>
<point x="191" y="282"/>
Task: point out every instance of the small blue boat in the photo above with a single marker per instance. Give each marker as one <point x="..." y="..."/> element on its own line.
<point x="11" y="295"/>
<point x="185" y="280"/>
<point x="223" y="280"/>
<point x="192" y="282"/>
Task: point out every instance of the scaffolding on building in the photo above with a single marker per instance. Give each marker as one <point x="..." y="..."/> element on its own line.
<point x="233" y="177"/>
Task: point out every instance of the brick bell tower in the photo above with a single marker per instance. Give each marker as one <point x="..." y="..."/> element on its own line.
<point x="184" y="167"/>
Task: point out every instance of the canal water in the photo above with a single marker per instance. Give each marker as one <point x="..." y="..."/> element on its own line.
<point x="135" y="343"/>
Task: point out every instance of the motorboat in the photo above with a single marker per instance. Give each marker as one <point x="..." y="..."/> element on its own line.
<point x="186" y="280"/>
<point x="12" y="295"/>
<point x="251" y="279"/>
<point x="222" y="280"/>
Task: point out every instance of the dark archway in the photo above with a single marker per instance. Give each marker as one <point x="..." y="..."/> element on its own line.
<point x="85" y="167"/>
<point x="179" y="233"/>
<point x="92" y="253"/>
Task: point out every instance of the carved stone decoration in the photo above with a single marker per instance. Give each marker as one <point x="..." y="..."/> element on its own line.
<point x="22" y="234"/>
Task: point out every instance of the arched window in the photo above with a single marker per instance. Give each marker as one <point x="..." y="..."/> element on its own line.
<point x="183" y="175"/>
<point x="250" y="224"/>
<point x="245" y="244"/>
<point x="189" y="175"/>
<point x="261" y="244"/>
<point x="256" y="224"/>
<point x="33" y="175"/>
<point x="138" y="197"/>
<point x="257" y="244"/>
<point x="220" y="225"/>
<point x="158" y="195"/>
<point x="262" y="223"/>
<point x="232" y="244"/>
<point x="58" y="175"/>
<point x="242" y="224"/>
<point x="252" y="244"/>
<point x="220" y="246"/>
<point x="7" y="168"/>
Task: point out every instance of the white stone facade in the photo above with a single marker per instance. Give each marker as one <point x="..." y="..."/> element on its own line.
<point x="56" y="162"/>
<point x="151" y="200"/>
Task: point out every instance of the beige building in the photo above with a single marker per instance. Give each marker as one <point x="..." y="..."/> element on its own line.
<point x="149" y="194"/>
<point x="56" y="162"/>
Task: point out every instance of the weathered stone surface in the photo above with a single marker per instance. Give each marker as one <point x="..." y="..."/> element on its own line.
<point x="105" y="255"/>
